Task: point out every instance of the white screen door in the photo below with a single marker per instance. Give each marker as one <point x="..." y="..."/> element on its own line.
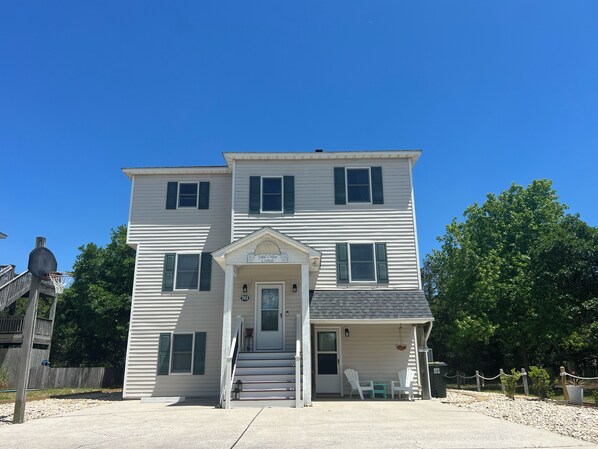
<point x="269" y="318"/>
<point x="327" y="361"/>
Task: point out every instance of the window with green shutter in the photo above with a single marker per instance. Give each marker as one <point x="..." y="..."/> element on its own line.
<point x="163" y="354"/>
<point x="381" y="263"/>
<point x="183" y="353"/>
<point x="204" y="195"/>
<point x="168" y="275"/>
<point x="342" y="263"/>
<point x="271" y="194"/>
<point x="205" y="275"/>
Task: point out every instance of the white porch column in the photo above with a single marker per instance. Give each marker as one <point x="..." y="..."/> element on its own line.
<point x="306" y="334"/>
<point x="226" y="319"/>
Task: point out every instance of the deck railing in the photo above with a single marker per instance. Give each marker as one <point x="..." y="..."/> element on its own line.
<point x="231" y="362"/>
<point x="6" y="274"/>
<point x="14" y="289"/>
<point x="13" y="324"/>
<point x="298" y="389"/>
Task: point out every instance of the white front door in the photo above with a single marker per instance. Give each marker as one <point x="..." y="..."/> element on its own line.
<point x="269" y="318"/>
<point x="327" y="361"/>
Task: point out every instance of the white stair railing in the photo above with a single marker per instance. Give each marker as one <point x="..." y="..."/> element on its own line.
<point x="231" y="361"/>
<point x="298" y="389"/>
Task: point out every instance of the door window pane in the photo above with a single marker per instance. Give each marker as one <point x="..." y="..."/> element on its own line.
<point x="327" y="364"/>
<point x="326" y="341"/>
<point x="272" y="194"/>
<point x="187" y="272"/>
<point x="358" y="185"/>
<point x="270" y="306"/>
<point x="362" y="262"/>
<point x="187" y="195"/>
<point x="270" y="299"/>
<point x="269" y="320"/>
<point x="182" y="346"/>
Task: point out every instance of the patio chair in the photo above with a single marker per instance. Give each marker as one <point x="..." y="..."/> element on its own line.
<point x="360" y="386"/>
<point x="404" y="384"/>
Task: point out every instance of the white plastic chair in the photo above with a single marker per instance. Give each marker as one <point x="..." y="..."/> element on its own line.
<point x="360" y="386"/>
<point x="404" y="384"/>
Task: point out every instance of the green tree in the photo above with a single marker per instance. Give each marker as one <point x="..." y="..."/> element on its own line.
<point x="480" y="283"/>
<point x="92" y="316"/>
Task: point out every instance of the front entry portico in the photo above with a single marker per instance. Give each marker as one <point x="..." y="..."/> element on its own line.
<point x="267" y="282"/>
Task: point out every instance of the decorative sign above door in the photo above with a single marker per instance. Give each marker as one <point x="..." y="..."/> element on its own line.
<point x="267" y="252"/>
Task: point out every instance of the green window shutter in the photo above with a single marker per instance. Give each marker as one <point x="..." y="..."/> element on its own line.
<point x="164" y="354"/>
<point x="377" y="189"/>
<point x="342" y="264"/>
<point x="199" y="353"/>
<point x="254" y="194"/>
<point x="171" y="194"/>
<point x="168" y="276"/>
<point x="381" y="263"/>
<point x="340" y="195"/>
<point x="204" y="195"/>
<point x="289" y="194"/>
<point x="205" y="272"/>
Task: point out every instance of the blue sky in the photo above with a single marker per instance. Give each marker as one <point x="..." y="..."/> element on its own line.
<point x="493" y="92"/>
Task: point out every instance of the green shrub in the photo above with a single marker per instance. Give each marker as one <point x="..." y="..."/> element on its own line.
<point x="509" y="383"/>
<point x="595" y="396"/>
<point x="3" y="378"/>
<point x="541" y="384"/>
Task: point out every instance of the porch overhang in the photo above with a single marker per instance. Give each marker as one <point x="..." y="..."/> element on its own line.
<point x="370" y="306"/>
<point x="267" y="246"/>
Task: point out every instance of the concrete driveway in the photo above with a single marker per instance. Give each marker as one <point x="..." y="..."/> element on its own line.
<point x="334" y="424"/>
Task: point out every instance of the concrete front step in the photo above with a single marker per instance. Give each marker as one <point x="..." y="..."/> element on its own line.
<point x="265" y="355"/>
<point x="242" y="363"/>
<point x="266" y="393"/>
<point x="264" y="377"/>
<point x="263" y="402"/>
<point x="262" y="369"/>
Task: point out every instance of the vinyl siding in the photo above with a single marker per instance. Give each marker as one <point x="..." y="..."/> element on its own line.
<point x="156" y="231"/>
<point x="371" y="350"/>
<point x="320" y="223"/>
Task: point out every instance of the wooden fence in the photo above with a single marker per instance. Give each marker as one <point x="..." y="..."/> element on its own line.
<point x="96" y="377"/>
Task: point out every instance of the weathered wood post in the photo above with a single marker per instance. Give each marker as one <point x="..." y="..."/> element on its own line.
<point x="502" y="386"/>
<point x="477" y="380"/>
<point x="525" y="385"/>
<point x="26" y="344"/>
<point x="564" y="384"/>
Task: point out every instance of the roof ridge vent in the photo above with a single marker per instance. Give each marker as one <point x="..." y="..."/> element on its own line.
<point x="319" y="150"/>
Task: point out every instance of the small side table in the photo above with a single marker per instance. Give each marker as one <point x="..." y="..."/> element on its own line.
<point x="380" y="388"/>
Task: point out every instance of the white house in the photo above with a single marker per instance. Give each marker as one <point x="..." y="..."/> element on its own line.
<point x="272" y="275"/>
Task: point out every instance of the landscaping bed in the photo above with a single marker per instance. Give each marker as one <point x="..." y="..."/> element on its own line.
<point x="43" y="403"/>
<point x="556" y="416"/>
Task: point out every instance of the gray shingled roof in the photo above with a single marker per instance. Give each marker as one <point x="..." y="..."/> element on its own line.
<point x="368" y="304"/>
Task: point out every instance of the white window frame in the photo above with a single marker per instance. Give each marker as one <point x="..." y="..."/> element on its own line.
<point x="369" y="169"/>
<point x="170" y="372"/>
<point x="176" y="271"/>
<point x="178" y="195"/>
<point x="262" y="211"/>
<point x="373" y="245"/>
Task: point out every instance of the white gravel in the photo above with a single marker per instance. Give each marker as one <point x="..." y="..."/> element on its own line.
<point x="35" y="409"/>
<point x="569" y="420"/>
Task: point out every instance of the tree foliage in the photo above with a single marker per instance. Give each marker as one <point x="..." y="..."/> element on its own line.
<point x="92" y="316"/>
<point x="514" y="283"/>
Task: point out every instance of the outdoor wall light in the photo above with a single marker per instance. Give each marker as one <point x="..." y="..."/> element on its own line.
<point x="347" y="332"/>
<point x="244" y="288"/>
<point x="294" y="288"/>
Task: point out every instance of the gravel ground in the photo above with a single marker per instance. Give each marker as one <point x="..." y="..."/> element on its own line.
<point x="569" y="420"/>
<point x="48" y="407"/>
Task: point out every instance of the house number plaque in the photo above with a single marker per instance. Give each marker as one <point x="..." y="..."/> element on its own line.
<point x="245" y="298"/>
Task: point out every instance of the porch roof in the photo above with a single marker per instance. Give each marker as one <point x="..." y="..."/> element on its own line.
<point x="370" y="305"/>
